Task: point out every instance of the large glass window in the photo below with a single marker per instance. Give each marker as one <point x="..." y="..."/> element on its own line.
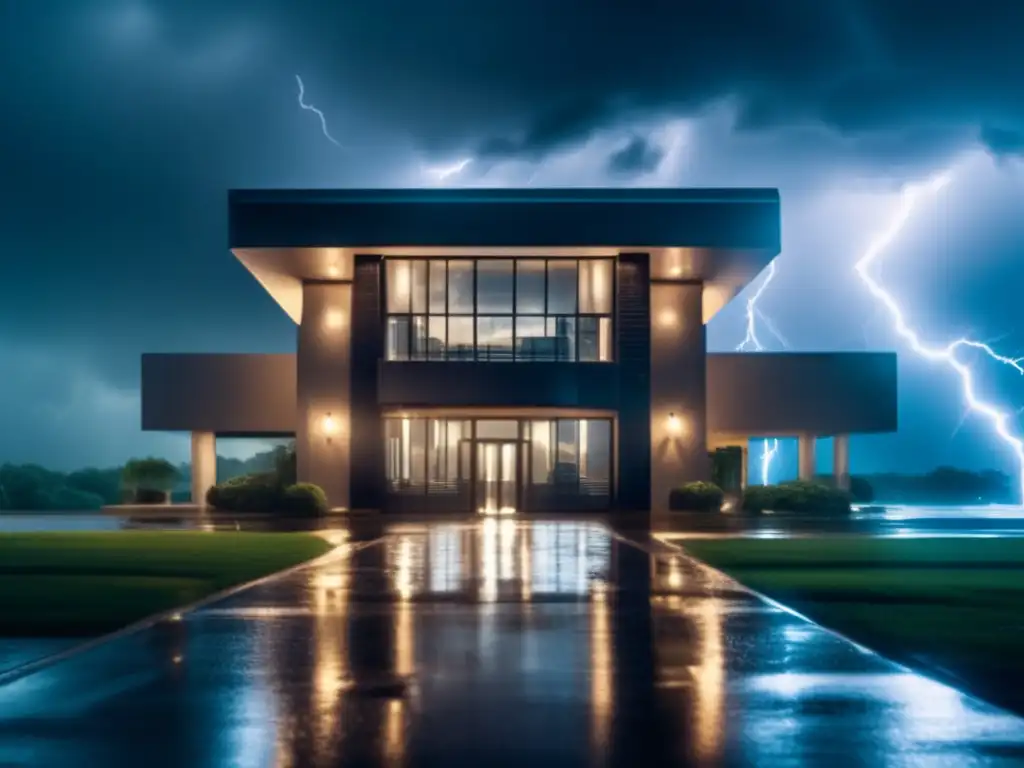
<point x="500" y="310"/>
<point x="571" y="455"/>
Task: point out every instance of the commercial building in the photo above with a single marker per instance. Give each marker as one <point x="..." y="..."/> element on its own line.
<point x="499" y="350"/>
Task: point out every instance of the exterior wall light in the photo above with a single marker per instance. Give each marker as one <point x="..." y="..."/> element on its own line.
<point x="333" y="271"/>
<point x="330" y="426"/>
<point x="334" y="319"/>
<point x="675" y="424"/>
<point x="667" y="318"/>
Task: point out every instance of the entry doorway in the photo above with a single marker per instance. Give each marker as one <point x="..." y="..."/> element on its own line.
<point x="497" y="477"/>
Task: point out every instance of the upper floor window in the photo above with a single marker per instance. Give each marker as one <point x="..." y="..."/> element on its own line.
<point x="491" y="309"/>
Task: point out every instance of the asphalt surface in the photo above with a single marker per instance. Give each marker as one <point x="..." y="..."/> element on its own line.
<point x="487" y="644"/>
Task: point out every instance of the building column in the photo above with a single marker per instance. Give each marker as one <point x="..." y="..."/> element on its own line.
<point x="744" y="464"/>
<point x="204" y="465"/>
<point x="323" y="384"/>
<point x="841" y="461"/>
<point x="806" y="461"/>
<point x="679" y="452"/>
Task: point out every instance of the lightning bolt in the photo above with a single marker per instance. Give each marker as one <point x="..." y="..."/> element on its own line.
<point x="314" y="110"/>
<point x="443" y="172"/>
<point x="752" y="342"/>
<point x="767" y="454"/>
<point x="910" y="196"/>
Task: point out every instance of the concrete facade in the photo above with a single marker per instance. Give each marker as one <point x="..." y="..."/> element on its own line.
<point x="655" y="400"/>
<point x="323" y="400"/>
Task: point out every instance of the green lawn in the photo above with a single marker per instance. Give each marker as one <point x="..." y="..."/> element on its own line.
<point x="950" y="607"/>
<point x="88" y="583"/>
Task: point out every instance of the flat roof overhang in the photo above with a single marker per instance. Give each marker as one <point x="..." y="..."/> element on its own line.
<point x="723" y="237"/>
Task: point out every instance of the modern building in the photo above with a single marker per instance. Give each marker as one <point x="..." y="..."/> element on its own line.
<point x="501" y="349"/>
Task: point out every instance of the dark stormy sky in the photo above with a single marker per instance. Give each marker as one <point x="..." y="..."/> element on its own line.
<point x="124" y="122"/>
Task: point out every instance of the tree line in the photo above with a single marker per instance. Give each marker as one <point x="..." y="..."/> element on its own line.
<point x="30" y="487"/>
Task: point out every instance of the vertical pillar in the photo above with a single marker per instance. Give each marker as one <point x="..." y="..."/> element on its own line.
<point x="323" y="384"/>
<point x="204" y="465"/>
<point x="744" y="464"/>
<point x="841" y="461"/>
<point x="633" y="429"/>
<point x="679" y="451"/>
<point x="367" y="338"/>
<point x="806" y="464"/>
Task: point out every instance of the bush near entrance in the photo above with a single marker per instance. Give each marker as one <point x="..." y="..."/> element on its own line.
<point x="798" y="496"/>
<point x="696" y="497"/>
<point x="265" y="493"/>
<point x="305" y="499"/>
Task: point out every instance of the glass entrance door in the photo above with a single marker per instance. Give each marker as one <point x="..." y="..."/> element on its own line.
<point x="497" y="477"/>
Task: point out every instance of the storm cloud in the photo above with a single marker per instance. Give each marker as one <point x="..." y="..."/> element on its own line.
<point x="128" y="120"/>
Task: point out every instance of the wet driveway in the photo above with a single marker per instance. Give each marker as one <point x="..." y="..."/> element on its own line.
<point x="540" y="643"/>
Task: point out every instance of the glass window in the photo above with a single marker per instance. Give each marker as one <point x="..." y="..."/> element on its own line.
<point x="561" y="286"/>
<point x="494" y="339"/>
<point x="398" y="285"/>
<point x="460" y="287"/>
<point x="497" y="429"/>
<point x="541" y="445"/>
<point x="419" y="286"/>
<point x="530" y="287"/>
<point x="438" y="284"/>
<point x="595" y="451"/>
<point x="460" y="338"/>
<point x="419" y="338"/>
<point x="595" y="286"/>
<point x="494" y="286"/>
<point x="498" y="309"/>
<point x="589" y="342"/>
<point x="437" y="337"/>
<point x="531" y="340"/>
<point x="562" y="332"/>
<point x="398" y="337"/>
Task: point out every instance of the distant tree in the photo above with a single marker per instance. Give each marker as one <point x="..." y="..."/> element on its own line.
<point x="149" y="474"/>
<point x="28" y="486"/>
<point x="102" y="483"/>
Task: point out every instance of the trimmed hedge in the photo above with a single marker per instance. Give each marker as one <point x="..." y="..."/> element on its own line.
<point x="696" y="497"/>
<point x="263" y="492"/>
<point x="305" y="499"/>
<point x="798" y="497"/>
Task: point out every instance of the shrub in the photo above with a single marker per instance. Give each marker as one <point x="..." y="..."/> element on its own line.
<point x="305" y="499"/>
<point x="259" y="492"/>
<point x="152" y="474"/>
<point x="150" y="496"/>
<point x="262" y="492"/>
<point x="696" y="497"/>
<point x="797" y="496"/>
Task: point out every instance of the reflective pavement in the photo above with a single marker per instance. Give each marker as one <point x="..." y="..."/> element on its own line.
<point x="496" y="643"/>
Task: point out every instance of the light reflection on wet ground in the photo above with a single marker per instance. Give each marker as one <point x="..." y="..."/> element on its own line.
<point x="491" y="644"/>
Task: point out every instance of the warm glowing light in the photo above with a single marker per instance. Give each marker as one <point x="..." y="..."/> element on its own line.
<point x="329" y="425"/>
<point x="334" y="319"/>
<point x="333" y="271"/>
<point x="675" y="424"/>
<point x="667" y="318"/>
<point x="403" y="569"/>
<point x="675" y="574"/>
<point x="999" y="420"/>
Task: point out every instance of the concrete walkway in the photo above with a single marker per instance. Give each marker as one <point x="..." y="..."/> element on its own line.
<point x="494" y="644"/>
